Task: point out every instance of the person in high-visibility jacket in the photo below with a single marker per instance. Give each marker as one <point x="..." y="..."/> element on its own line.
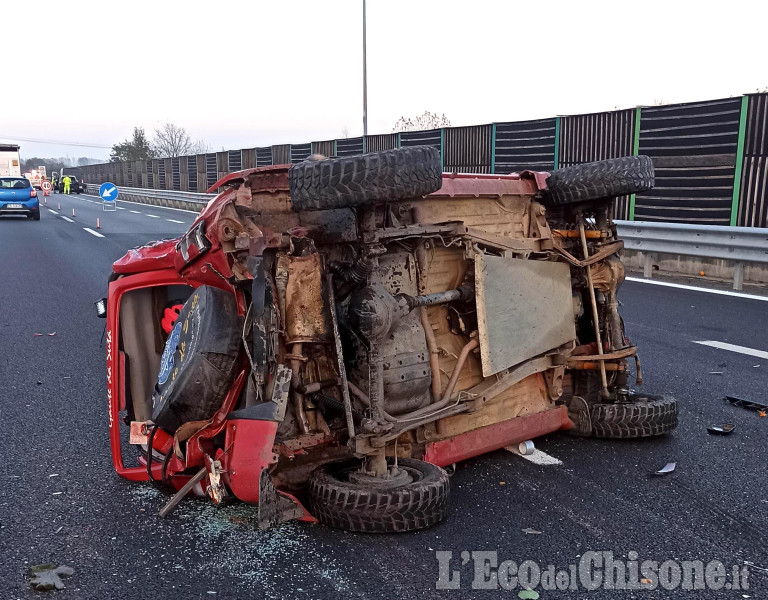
<point x="66" y="181"/>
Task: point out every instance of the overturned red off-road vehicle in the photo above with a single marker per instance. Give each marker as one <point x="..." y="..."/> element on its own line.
<point x="327" y="336"/>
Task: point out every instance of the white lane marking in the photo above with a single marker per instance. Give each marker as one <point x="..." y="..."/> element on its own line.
<point x="52" y="211"/>
<point x="538" y="457"/>
<point x="92" y="232"/>
<point x="120" y="207"/>
<point x="735" y="348"/>
<point x="66" y="219"/>
<point x="194" y="212"/>
<point x="135" y="212"/>
<point x="153" y="216"/>
<point x="698" y="289"/>
<point x="175" y="221"/>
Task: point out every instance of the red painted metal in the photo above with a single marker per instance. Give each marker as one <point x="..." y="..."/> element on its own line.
<point x="248" y="447"/>
<point x="499" y="435"/>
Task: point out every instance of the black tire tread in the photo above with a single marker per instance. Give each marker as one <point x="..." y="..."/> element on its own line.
<point x="600" y="180"/>
<point x="646" y="416"/>
<point x="364" y="179"/>
<point x="343" y="505"/>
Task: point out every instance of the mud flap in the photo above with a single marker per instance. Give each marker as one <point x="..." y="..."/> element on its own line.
<point x="276" y="507"/>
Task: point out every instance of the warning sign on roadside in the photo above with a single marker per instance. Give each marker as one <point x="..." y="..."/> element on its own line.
<point x="46" y="185"/>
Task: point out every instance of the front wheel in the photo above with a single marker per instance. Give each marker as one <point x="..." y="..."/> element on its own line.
<point x="416" y="497"/>
<point x="642" y="416"/>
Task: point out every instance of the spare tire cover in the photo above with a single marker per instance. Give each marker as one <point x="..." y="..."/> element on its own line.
<point x="199" y="360"/>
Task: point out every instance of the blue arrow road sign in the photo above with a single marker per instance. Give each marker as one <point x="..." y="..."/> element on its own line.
<point x="108" y="192"/>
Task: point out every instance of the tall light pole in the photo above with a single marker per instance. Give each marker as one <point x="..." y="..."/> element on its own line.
<point x="365" y="81"/>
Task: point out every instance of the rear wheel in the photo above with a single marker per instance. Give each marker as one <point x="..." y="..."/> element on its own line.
<point x="364" y="179"/>
<point x="35" y="215"/>
<point x="642" y="416"/>
<point x="414" y="497"/>
<point x="599" y="180"/>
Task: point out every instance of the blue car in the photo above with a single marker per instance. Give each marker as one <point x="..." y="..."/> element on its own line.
<point x="18" y="197"/>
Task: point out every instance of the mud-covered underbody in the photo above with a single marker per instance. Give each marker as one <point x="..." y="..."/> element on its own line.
<point x="322" y="351"/>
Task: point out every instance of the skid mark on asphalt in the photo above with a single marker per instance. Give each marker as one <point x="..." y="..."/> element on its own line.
<point x="734" y="348"/>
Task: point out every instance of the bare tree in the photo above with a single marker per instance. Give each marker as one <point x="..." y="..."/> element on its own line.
<point x="428" y="120"/>
<point x="171" y="141"/>
<point x="345" y="132"/>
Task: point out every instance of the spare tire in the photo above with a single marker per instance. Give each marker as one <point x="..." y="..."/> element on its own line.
<point x="340" y="501"/>
<point x="599" y="180"/>
<point x="198" y="365"/>
<point x="642" y="416"/>
<point x="319" y="184"/>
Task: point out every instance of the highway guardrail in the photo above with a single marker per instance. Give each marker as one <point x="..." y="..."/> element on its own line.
<point x="738" y="244"/>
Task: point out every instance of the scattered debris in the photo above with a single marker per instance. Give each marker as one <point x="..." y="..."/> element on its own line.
<point x="528" y="594"/>
<point x="741" y="403"/>
<point x="668" y="468"/>
<point x="752" y="565"/>
<point x="48" y="577"/>
<point x="644" y="580"/>
<point x="531" y="531"/>
<point x="723" y="429"/>
<point x="762" y="413"/>
<point x="39" y="382"/>
<point x="57" y="493"/>
<point x="715" y="373"/>
<point x="502" y="483"/>
<point x="755" y="366"/>
<point x="59" y="529"/>
<point x="37" y="335"/>
<point x="52" y="334"/>
<point x="53" y="475"/>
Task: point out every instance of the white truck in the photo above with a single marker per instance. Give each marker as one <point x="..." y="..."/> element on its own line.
<point x="10" y="163"/>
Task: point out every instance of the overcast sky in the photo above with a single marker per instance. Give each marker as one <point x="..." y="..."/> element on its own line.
<point x="256" y="73"/>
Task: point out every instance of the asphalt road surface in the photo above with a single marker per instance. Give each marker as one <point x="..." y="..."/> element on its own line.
<point x="61" y="502"/>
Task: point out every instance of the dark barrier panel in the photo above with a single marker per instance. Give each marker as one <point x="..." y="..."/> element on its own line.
<point x="525" y="145"/>
<point x="468" y="149"/>
<point x="234" y="160"/>
<point x="211" y="172"/>
<point x="249" y="158"/>
<point x="191" y="173"/>
<point x="264" y="156"/>
<point x="300" y="152"/>
<point x="176" y="172"/>
<point x="377" y="143"/>
<point x="693" y="147"/>
<point x="753" y="194"/>
<point x="281" y="155"/>
<point x="598" y="136"/>
<point x="349" y="146"/>
<point x="327" y="148"/>
<point x="150" y="174"/>
<point x="431" y="137"/>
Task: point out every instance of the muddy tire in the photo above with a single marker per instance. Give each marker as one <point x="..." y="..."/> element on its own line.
<point x="340" y="503"/>
<point x="365" y="179"/>
<point x="604" y="179"/>
<point x="644" y="416"/>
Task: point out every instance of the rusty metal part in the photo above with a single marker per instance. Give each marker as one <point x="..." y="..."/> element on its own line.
<point x="603" y="356"/>
<point x="574" y="233"/>
<point x="554" y="379"/>
<point x="341" y="367"/>
<point x="601" y="254"/>
<point x="446" y="398"/>
<point x="604" y="379"/>
<point x="595" y="365"/>
<point x="363" y="397"/>
<point x="607" y="276"/>
<point x="281" y="283"/>
<point x="639" y="371"/>
<point x="298" y="398"/>
<point x="181" y="494"/>
<point x="292" y="446"/>
<point x="305" y="309"/>
<point x="539" y="228"/>
<point x="434" y="360"/>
